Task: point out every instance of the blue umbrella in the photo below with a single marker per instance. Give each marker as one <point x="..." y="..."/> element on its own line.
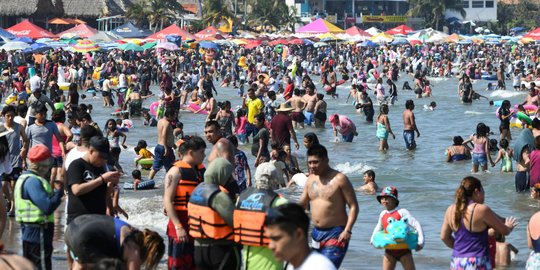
<point x="308" y="41"/>
<point x="208" y="44"/>
<point x="368" y="43"/>
<point x="38" y="48"/>
<point x="517" y="29"/>
<point x="465" y="41"/>
<point x="24" y="39"/>
<point x="400" y="41"/>
<point x="6" y="35"/>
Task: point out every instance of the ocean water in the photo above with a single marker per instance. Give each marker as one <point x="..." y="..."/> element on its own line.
<point x="426" y="183"/>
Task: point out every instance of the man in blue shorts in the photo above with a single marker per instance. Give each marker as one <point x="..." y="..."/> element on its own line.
<point x="164" y="153"/>
<point x="409" y="125"/>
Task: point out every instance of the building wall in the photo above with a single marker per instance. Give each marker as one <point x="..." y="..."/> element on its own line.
<point x="477" y="10"/>
<point x="342" y="7"/>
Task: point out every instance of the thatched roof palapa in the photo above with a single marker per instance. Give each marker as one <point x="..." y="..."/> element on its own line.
<point x="70" y="8"/>
<point x="30" y="7"/>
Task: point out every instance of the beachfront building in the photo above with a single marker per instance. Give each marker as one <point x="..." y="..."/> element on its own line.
<point x="348" y="12"/>
<point x="41" y="11"/>
<point x="477" y="11"/>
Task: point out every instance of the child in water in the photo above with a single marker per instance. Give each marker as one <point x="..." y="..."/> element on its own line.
<point x="431" y="106"/>
<point x="142" y="152"/>
<point x="505" y="156"/>
<point x="369" y="187"/>
<point x="136" y="178"/>
<point x="389" y="200"/>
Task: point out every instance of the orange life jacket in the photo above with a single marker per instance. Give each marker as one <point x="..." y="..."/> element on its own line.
<point x="204" y="222"/>
<point x="191" y="177"/>
<point x="249" y="215"/>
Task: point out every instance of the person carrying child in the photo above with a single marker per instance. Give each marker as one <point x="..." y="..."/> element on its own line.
<point x="389" y="200"/>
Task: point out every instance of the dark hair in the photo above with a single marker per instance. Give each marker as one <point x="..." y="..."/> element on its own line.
<point x="312" y="137"/>
<point x="194" y="143"/>
<point x="320" y="96"/>
<point x="87" y="132"/>
<point x="481" y="130"/>
<point x="58" y="116"/>
<point x="9" y="109"/>
<point x="409" y="104"/>
<point x="463" y="194"/>
<point x="370" y="173"/>
<point x="213" y="123"/>
<point x="260" y="117"/>
<point x="503" y="143"/>
<point x="136" y="174"/>
<point x="22" y="110"/>
<point x="458" y="140"/>
<point x="169" y="112"/>
<point x="536" y="142"/>
<point x="142" y="144"/>
<point x="107" y="125"/>
<point x="233" y="140"/>
<point x="4" y="148"/>
<point x="84" y="116"/>
<point x="536" y="123"/>
<point x="318" y="151"/>
<point x="288" y="217"/>
<point x="505" y="104"/>
<point x="109" y="264"/>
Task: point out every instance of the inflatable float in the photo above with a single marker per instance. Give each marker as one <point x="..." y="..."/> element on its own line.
<point x="64" y="86"/>
<point x="523" y="117"/>
<point x="529" y="108"/>
<point x="327" y="88"/>
<point x="154" y="109"/>
<point x="145" y="162"/>
<point x="300" y="179"/>
<point x="488" y="77"/>
<point x="515" y="123"/>
<point x="150" y="184"/>
<point x="398" y="235"/>
<point x="192" y="107"/>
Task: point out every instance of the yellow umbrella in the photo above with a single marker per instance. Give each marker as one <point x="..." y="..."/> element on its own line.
<point x="239" y="41"/>
<point x="381" y="37"/>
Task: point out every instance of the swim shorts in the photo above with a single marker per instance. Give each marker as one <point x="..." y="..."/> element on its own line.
<point x="308" y="118"/>
<point x="522" y="181"/>
<point x="298" y="116"/>
<point x="347" y="137"/>
<point x="160" y="160"/>
<point x="397" y="254"/>
<point x="479" y="159"/>
<point x="57" y="162"/>
<point x="478" y="263"/>
<point x="329" y="246"/>
<point x="320" y="116"/>
<point x="408" y="136"/>
<point x="534" y="261"/>
<point x="180" y="254"/>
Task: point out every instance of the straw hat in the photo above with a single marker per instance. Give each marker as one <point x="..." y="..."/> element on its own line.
<point x="284" y="107"/>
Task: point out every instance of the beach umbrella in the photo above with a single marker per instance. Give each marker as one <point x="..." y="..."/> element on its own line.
<point x="381" y="38"/>
<point x="414" y="42"/>
<point x="149" y="45"/>
<point x="6" y="35"/>
<point x="517" y="29"/>
<point x="44" y="40"/>
<point x="227" y="43"/>
<point x="373" y="31"/>
<point x="105" y="46"/>
<point x="85" y="46"/>
<point x="296" y="41"/>
<point x="38" y="48"/>
<point x="169" y="46"/>
<point x="465" y="41"/>
<point x="400" y="41"/>
<point x="131" y="47"/>
<point x="367" y="43"/>
<point x="320" y="44"/>
<point x="308" y="41"/>
<point x="15" y="46"/>
<point x="208" y="45"/>
<point x="238" y="41"/>
<point x="70" y="36"/>
<point x="402" y="29"/>
<point x="24" y="39"/>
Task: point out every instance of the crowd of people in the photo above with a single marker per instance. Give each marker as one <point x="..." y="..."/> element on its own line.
<point x="220" y="216"/>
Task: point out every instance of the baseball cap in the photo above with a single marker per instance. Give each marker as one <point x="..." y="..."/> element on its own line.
<point x="101" y="144"/>
<point x="39" y="153"/>
<point x="266" y="176"/>
<point x="389" y="192"/>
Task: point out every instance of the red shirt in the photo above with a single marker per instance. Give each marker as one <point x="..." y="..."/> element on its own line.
<point x="385" y="217"/>
<point x="280" y="126"/>
<point x="287" y="94"/>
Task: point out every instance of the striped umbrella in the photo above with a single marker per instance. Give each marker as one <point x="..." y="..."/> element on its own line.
<point x="149" y="45"/>
<point x="85" y="46"/>
<point x="131" y="47"/>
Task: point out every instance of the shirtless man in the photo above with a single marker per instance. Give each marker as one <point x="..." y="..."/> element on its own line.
<point x="261" y="86"/>
<point x="164" y="153"/>
<point x="320" y="111"/>
<point x="298" y="104"/>
<point x="532" y="97"/>
<point x="310" y="98"/>
<point x="409" y="125"/>
<point x="328" y="193"/>
<point x="331" y="81"/>
<point x="222" y="147"/>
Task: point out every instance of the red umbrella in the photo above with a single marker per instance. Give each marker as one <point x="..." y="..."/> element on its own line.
<point x="400" y="30"/>
<point x="415" y="42"/>
<point x="296" y="41"/>
<point x="28" y="29"/>
<point x="253" y="43"/>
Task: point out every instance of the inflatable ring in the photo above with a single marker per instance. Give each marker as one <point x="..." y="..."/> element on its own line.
<point x="64" y="86"/>
<point x="528" y="107"/>
<point x="488" y="77"/>
<point x="150" y="184"/>
<point x="523" y="117"/>
<point x="194" y="107"/>
<point x="266" y="78"/>
<point x="59" y="106"/>
<point x="11" y="99"/>
<point x="153" y="108"/>
<point x="146" y="161"/>
<point x="398" y="235"/>
<point x="114" y="81"/>
<point x="497" y="103"/>
<point x="96" y="73"/>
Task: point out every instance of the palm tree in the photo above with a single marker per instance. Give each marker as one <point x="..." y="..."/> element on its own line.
<point x="215" y="11"/>
<point x="433" y="10"/>
<point x="289" y="19"/>
<point x="137" y="12"/>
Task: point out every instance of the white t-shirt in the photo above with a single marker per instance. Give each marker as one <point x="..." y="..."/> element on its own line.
<point x="35" y="83"/>
<point x="315" y="261"/>
<point x="72" y="155"/>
